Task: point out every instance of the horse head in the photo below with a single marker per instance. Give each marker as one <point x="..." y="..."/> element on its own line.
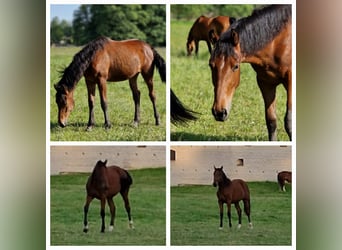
<point x="218" y="176"/>
<point x="65" y="102"/>
<point x="224" y="64"/>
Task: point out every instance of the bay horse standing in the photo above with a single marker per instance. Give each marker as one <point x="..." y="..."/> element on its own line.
<point x="103" y="184"/>
<point x="201" y="28"/>
<point x="104" y="60"/>
<point x="264" y="40"/>
<point x="231" y="192"/>
<point x="283" y="177"/>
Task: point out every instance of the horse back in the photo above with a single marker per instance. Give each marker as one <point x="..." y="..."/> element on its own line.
<point x="121" y="60"/>
<point x="200" y="28"/>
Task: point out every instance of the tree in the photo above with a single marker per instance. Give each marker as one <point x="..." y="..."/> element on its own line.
<point x="119" y="22"/>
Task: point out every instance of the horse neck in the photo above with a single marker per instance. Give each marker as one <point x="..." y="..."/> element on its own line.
<point x="225" y="181"/>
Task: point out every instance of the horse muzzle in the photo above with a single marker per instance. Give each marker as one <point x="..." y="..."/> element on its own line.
<point x="221" y="115"/>
<point x="62" y="124"/>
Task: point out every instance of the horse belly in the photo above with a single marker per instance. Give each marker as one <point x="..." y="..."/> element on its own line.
<point x="121" y="70"/>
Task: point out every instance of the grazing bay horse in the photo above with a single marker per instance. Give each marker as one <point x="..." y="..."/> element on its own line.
<point x="283" y="177"/>
<point x="231" y="192"/>
<point x="264" y="40"/>
<point x="201" y="28"/>
<point x="105" y="60"/>
<point x="103" y="184"/>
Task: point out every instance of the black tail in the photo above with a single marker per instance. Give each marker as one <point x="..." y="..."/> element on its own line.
<point x="160" y="64"/>
<point x="179" y="113"/>
<point x="126" y="180"/>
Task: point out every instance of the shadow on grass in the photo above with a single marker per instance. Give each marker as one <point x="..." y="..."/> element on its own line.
<point x="183" y="136"/>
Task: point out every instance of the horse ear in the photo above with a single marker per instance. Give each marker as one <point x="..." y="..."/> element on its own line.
<point x="221" y="167"/>
<point x="105" y="162"/>
<point x="235" y="37"/>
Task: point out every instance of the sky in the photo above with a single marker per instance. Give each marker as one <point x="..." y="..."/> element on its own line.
<point x="63" y="11"/>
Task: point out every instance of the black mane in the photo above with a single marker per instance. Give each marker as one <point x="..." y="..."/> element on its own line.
<point x="73" y="73"/>
<point x="256" y="30"/>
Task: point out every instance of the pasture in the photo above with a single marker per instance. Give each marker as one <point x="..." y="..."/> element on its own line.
<point x="148" y="206"/>
<point x="195" y="217"/>
<point x="191" y="82"/>
<point x="120" y="107"/>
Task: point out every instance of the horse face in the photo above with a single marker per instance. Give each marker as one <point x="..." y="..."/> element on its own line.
<point x="218" y="177"/>
<point x="65" y="103"/>
<point x="190" y="45"/>
<point x="225" y="73"/>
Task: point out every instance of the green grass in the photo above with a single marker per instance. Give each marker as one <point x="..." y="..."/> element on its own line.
<point x="120" y="108"/>
<point x="191" y="81"/>
<point x="148" y="204"/>
<point x="195" y="217"/>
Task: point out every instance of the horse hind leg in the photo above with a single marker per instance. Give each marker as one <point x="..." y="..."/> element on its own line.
<point x="247" y="208"/>
<point x="149" y="81"/>
<point x="124" y="194"/>
<point x="238" y="209"/>
<point x="112" y="213"/>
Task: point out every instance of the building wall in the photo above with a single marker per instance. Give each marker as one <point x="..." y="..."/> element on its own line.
<point x="66" y="159"/>
<point x="194" y="164"/>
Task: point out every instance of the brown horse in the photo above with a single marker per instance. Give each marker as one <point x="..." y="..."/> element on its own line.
<point x="201" y="28"/>
<point x="283" y="177"/>
<point x="103" y="184"/>
<point x="263" y="40"/>
<point x="105" y="60"/>
<point x="231" y="192"/>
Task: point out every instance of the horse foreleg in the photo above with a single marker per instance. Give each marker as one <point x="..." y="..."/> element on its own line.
<point x="103" y="96"/>
<point x="136" y="98"/>
<point x="91" y="101"/>
<point x="209" y="46"/>
<point x="196" y="47"/>
<point x="102" y="213"/>
<point x="229" y="214"/>
<point x="221" y="214"/>
<point x="288" y="115"/>
<point x="238" y="209"/>
<point x="85" y="209"/>
<point x="112" y="213"/>
<point x="268" y="91"/>
<point x="124" y="195"/>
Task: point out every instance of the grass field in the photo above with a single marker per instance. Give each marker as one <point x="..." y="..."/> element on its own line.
<point x="120" y="107"/>
<point x="148" y="204"/>
<point x="195" y="217"/>
<point x="191" y="81"/>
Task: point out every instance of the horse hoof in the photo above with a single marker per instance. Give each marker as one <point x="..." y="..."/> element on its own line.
<point x="239" y="226"/>
<point x="250" y="225"/>
<point x="107" y="126"/>
<point x="89" y="128"/>
<point x="85" y="230"/>
<point x="220" y="228"/>
<point x="131" y="226"/>
<point x="111" y="228"/>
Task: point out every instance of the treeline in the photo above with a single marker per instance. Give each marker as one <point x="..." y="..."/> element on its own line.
<point x="191" y="12"/>
<point x="145" y="22"/>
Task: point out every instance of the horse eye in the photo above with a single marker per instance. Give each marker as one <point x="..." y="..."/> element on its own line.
<point x="236" y="67"/>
